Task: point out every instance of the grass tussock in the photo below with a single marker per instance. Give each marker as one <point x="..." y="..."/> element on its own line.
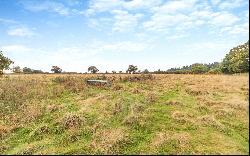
<point x="137" y="114"/>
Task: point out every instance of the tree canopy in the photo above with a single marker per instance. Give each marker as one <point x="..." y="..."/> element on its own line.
<point x="17" y="69"/>
<point x="5" y="62"/>
<point x="132" y="69"/>
<point x="199" y="68"/>
<point x="56" y="69"/>
<point x="93" y="69"/>
<point x="237" y="60"/>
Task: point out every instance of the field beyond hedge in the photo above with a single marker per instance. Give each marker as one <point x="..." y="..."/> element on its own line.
<point x="138" y="114"/>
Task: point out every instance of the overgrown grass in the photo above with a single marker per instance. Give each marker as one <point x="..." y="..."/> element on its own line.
<point x="138" y="114"/>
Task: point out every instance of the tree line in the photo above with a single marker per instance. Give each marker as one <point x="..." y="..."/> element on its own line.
<point x="236" y="61"/>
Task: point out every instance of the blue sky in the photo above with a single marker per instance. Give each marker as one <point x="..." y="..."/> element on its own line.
<point x="111" y="34"/>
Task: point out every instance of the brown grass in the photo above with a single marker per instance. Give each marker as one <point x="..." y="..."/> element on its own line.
<point x="170" y="114"/>
<point x="106" y="140"/>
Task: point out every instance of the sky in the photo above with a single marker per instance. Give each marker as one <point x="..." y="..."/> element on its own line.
<point x="112" y="34"/>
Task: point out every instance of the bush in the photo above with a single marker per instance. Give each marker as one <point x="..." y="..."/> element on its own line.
<point x="199" y="68"/>
<point x="142" y="77"/>
<point x="72" y="121"/>
<point x="237" y="60"/>
<point x="215" y="71"/>
<point x="74" y="84"/>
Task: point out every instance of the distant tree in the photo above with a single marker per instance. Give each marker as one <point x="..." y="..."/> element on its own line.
<point x="120" y="72"/>
<point x="56" y="69"/>
<point x="199" y="68"/>
<point x="5" y="62"/>
<point x="213" y="65"/>
<point x="145" y="71"/>
<point x="215" y="71"/>
<point x="132" y="69"/>
<point x="183" y="70"/>
<point x="93" y="69"/>
<point x="237" y="60"/>
<point x="159" y="71"/>
<point x="106" y="72"/>
<point x="27" y="70"/>
<point x="17" y="69"/>
<point x="113" y="71"/>
<point x="37" y="71"/>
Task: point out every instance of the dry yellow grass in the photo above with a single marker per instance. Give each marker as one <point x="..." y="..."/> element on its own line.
<point x="138" y="114"/>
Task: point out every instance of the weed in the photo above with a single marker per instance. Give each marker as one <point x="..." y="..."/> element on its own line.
<point x="138" y="114"/>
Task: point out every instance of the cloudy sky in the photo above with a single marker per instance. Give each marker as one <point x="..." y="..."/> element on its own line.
<point x="111" y="34"/>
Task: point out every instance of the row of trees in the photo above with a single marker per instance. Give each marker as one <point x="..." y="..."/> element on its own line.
<point x="196" y="68"/>
<point x="236" y="61"/>
<point x="131" y="70"/>
<point x="26" y="70"/>
<point x="55" y="69"/>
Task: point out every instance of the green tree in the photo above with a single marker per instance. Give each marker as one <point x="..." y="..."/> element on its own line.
<point x="37" y="71"/>
<point x="145" y="71"/>
<point x="199" y="68"/>
<point x="215" y="71"/>
<point x="56" y="69"/>
<point x="93" y="69"/>
<point x="17" y="69"/>
<point x="132" y="69"/>
<point x="27" y="70"/>
<point x="5" y="62"/>
<point x="237" y="60"/>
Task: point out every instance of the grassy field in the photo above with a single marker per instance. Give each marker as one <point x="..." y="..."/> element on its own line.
<point x="159" y="114"/>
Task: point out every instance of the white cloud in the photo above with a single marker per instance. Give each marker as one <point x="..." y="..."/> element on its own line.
<point x="173" y="15"/>
<point x="223" y="19"/>
<point x="161" y="16"/>
<point x="247" y="14"/>
<point x="105" y="47"/>
<point x="125" y="46"/>
<point x="125" y="21"/>
<point x="102" y="6"/>
<point x="231" y="4"/>
<point x="98" y="6"/>
<point x="201" y="14"/>
<point x="206" y="52"/>
<point x="240" y="29"/>
<point x="61" y="56"/>
<point x="177" y="36"/>
<point x="215" y="2"/>
<point x="184" y="15"/>
<point x="141" y="4"/>
<point x="50" y="6"/>
<point x="8" y="21"/>
<point x="175" y="6"/>
<point x="99" y="23"/>
<point x="91" y="53"/>
<point x="160" y="22"/>
<point x="94" y="23"/>
<point x="16" y="48"/>
<point x="21" y="31"/>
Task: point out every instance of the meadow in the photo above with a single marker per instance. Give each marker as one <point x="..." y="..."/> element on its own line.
<point x="138" y="114"/>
